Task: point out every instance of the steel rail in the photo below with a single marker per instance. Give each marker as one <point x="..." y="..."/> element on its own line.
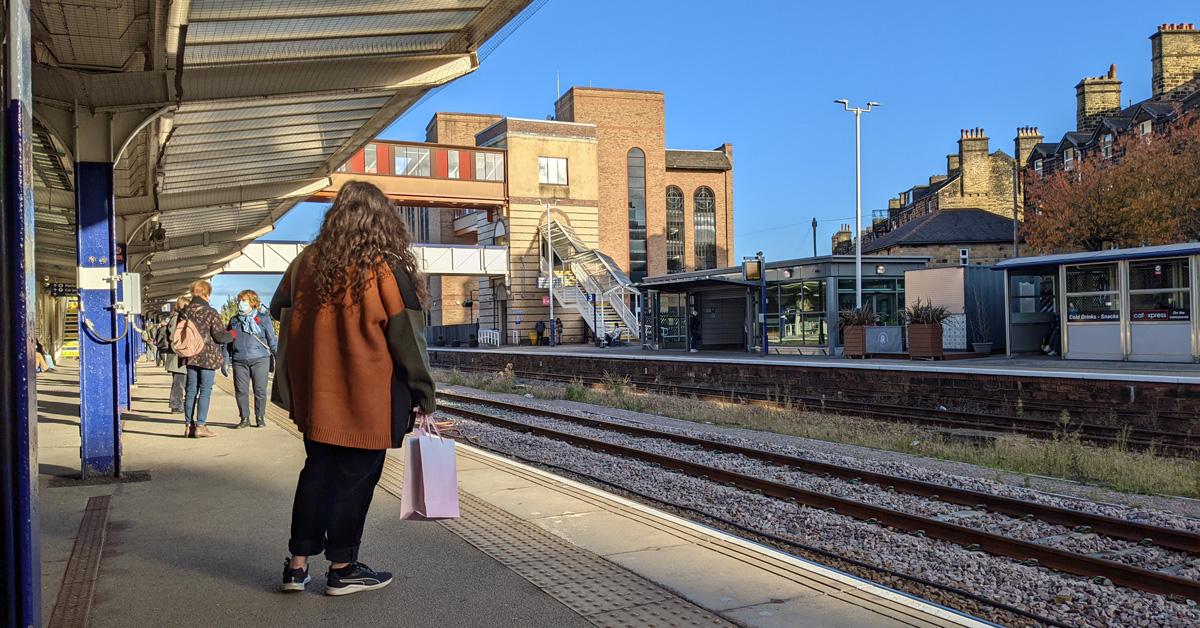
<point x="1181" y="540"/>
<point x="1124" y="575"/>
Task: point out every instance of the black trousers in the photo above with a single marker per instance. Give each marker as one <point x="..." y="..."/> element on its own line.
<point x="332" y="498"/>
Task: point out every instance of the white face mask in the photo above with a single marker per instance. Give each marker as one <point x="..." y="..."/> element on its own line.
<point x="244" y="307"/>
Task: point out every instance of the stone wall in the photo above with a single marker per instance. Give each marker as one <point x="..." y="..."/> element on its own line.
<point x="1144" y="405"/>
<point x="941" y="255"/>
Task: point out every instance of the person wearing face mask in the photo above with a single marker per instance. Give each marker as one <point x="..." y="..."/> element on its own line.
<point x="252" y="353"/>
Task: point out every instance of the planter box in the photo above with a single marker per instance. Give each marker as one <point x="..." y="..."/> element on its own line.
<point x="925" y="341"/>
<point x="854" y="341"/>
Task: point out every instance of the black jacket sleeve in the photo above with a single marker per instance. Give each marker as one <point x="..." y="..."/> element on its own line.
<point x="282" y="298"/>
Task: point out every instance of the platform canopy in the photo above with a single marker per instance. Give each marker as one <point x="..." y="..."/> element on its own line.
<point x="222" y="114"/>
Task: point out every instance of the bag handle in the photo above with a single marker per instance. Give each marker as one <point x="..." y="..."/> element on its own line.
<point x="426" y="425"/>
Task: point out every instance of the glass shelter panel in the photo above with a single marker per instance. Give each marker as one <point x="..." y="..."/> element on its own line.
<point x="796" y="314"/>
<point x="1092" y="293"/>
<point x="1159" y="290"/>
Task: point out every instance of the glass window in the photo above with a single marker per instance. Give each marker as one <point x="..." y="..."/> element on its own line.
<point x="1160" y="290"/>
<point x="796" y="314"/>
<point x="1095" y="278"/>
<point x="371" y="159"/>
<point x="675" y="244"/>
<point x="1068" y="158"/>
<point x="884" y="296"/>
<point x="635" y="164"/>
<point x="1145" y="127"/>
<point x="412" y="161"/>
<point x="1092" y="293"/>
<point x="1037" y="166"/>
<point x="706" y="228"/>
<point x="452" y="164"/>
<point x="489" y="166"/>
<point x="552" y="170"/>
<point x="1032" y="294"/>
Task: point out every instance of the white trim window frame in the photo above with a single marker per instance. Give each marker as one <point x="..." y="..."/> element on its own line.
<point x="552" y="170"/>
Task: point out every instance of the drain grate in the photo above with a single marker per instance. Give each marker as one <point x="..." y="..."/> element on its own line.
<point x="74" y="601"/>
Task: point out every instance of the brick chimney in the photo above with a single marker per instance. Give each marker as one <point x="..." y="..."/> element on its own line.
<point x="973" y="161"/>
<point x="843" y="241"/>
<point x="1175" y="57"/>
<point x="1027" y="138"/>
<point x="1095" y="97"/>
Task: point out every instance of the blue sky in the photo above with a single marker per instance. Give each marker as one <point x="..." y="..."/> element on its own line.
<point x="764" y="78"/>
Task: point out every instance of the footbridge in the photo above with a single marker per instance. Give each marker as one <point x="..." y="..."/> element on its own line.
<point x="266" y="257"/>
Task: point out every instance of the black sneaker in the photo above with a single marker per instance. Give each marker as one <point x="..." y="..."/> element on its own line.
<point x="294" y="579"/>
<point x="355" y="577"/>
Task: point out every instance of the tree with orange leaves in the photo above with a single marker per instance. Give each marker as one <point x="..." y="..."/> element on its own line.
<point x="1148" y="194"/>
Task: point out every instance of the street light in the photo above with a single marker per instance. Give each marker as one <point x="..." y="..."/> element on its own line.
<point x="550" y="269"/>
<point x="858" y="111"/>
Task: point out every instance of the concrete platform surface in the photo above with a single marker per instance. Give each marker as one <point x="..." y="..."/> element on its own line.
<point x="202" y="542"/>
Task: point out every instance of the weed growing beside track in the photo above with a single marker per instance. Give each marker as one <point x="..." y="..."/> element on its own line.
<point x="1065" y="456"/>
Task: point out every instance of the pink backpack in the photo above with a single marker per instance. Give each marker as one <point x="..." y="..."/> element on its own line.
<point x="186" y="339"/>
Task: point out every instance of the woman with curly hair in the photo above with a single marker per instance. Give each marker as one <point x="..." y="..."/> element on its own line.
<point x="353" y="371"/>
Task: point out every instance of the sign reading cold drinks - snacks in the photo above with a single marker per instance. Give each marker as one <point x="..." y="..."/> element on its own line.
<point x="1077" y="317"/>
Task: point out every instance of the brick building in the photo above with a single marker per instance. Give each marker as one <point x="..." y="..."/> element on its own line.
<point x="1100" y="119"/>
<point x="602" y="162"/>
<point x="961" y="216"/>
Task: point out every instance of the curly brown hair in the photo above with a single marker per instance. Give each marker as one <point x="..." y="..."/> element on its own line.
<point x="361" y="232"/>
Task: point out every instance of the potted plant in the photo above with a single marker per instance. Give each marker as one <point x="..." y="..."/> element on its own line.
<point x="925" y="329"/>
<point x="983" y="331"/>
<point x="854" y="337"/>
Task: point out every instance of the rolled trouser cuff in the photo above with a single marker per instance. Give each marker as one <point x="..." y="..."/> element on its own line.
<point x="342" y="554"/>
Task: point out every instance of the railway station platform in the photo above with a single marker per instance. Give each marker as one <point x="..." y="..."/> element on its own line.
<point x="998" y="365"/>
<point x="198" y="528"/>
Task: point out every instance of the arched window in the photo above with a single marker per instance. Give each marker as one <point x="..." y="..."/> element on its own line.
<point x="675" y="260"/>
<point x="706" y="228"/>
<point x="636" y="168"/>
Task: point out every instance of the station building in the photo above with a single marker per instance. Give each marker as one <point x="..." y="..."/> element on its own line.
<point x="796" y="306"/>
<point x="622" y="206"/>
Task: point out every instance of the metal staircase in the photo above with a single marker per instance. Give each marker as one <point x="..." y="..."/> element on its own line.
<point x="586" y="277"/>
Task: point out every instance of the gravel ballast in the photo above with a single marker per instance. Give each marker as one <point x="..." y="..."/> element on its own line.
<point x="1061" y="597"/>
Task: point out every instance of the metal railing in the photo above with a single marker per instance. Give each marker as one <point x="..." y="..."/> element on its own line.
<point x="489" y="337"/>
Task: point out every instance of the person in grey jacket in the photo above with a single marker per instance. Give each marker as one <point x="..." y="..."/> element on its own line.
<point x="171" y="361"/>
<point x="252" y="350"/>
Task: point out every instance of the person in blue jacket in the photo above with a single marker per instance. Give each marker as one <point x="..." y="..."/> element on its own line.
<point x="252" y="353"/>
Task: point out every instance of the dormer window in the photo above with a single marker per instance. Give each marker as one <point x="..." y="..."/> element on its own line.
<point x="1037" y="167"/>
<point x="1068" y="159"/>
<point x="1145" y="127"/>
<point x="1106" y="145"/>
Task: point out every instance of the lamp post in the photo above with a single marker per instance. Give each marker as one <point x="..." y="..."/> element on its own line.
<point x="550" y="270"/>
<point x="814" y="236"/>
<point x="858" y="111"/>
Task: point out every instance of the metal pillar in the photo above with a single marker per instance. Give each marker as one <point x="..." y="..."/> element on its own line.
<point x="20" y="560"/>
<point x="99" y="365"/>
<point x="124" y="344"/>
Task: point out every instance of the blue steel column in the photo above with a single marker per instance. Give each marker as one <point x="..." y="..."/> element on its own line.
<point x="124" y="377"/>
<point x="98" y="361"/>
<point x="20" y="571"/>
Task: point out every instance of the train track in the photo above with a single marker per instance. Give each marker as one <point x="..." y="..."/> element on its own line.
<point x="1031" y="553"/>
<point x="1171" y="443"/>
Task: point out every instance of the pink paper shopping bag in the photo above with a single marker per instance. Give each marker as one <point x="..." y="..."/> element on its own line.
<point x="430" y="488"/>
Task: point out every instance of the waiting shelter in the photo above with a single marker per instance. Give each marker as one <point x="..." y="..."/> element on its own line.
<point x="797" y="303"/>
<point x="1131" y="304"/>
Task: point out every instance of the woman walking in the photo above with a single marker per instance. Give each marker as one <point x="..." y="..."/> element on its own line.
<point x="202" y="367"/>
<point x="253" y="347"/>
<point x="171" y="361"/>
<point x="354" y="372"/>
